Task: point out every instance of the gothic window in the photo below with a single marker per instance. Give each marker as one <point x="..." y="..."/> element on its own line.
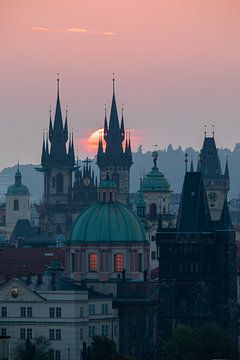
<point x="118" y="262"/>
<point x="59" y="183"/>
<point x="93" y="262"/>
<point x="153" y="211"/>
<point x="16" y="205"/>
<point x="139" y="262"/>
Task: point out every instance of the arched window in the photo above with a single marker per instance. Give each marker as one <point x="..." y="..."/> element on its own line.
<point x="139" y="262"/>
<point x="118" y="262"/>
<point x="111" y="196"/>
<point x="59" y="183"/>
<point x="153" y="211"/>
<point x="16" y="205"/>
<point x="104" y="196"/>
<point x="93" y="262"/>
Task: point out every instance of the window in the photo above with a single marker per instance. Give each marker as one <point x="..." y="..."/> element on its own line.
<point x="58" y="312"/>
<point x="93" y="263"/>
<point x="57" y="355"/>
<point x="3" y="332"/>
<point x="91" y="309"/>
<point x="53" y="182"/>
<point x="118" y="263"/>
<point x="58" y="334"/>
<point x="153" y="211"/>
<point x="139" y="262"/>
<point x="51" y="312"/>
<point x="110" y="196"/>
<point x="81" y="312"/>
<point x="153" y="255"/>
<point x="23" y="312"/>
<point x="16" y="205"/>
<point x="4" y="311"/>
<point x="104" y="308"/>
<point x="51" y="354"/>
<point x="22" y="334"/>
<point x="59" y="181"/>
<point x="105" y="330"/>
<point x="51" y="334"/>
<point x="91" y="331"/>
<point x="73" y="262"/>
<point x="104" y="196"/>
<point x="29" y="311"/>
<point x="29" y="333"/>
<point x="81" y="333"/>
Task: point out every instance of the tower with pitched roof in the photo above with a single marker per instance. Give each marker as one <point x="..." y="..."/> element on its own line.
<point x="197" y="262"/>
<point x="57" y="163"/>
<point x="216" y="183"/>
<point x="114" y="156"/>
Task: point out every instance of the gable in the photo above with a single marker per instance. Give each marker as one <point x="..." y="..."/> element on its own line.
<point x="15" y="290"/>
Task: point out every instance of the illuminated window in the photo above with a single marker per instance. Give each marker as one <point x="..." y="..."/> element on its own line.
<point x="118" y="263"/>
<point x="93" y="262"/>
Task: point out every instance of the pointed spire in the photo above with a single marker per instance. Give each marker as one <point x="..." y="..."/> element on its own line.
<point x="43" y="157"/>
<point x="226" y="173"/>
<point x="66" y="124"/>
<point x="47" y="147"/>
<point x="186" y="162"/>
<point x="199" y="164"/>
<point x="71" y="153"/>
<point x="50" y="131"/>
<point x="191" y="168"/>
<point x="100" y="145"/>
<point x="105" y="124"/>
<point x="122" y="128"/>
<point x="113" y="122"/>
<point x="225" y="222"/>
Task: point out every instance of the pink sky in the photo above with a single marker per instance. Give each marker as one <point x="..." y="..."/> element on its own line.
<point x="177" y="66"/>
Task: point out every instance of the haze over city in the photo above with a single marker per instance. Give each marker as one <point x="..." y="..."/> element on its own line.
<point x="176" y="64"/>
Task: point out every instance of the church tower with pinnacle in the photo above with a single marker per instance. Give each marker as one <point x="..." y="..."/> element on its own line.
<point x="57" y="166"/>
<point x="115" y="158"/>
<point x="216" y="183"/>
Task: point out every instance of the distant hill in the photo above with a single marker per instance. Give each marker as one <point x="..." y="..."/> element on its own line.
<point x="170" y="162"/>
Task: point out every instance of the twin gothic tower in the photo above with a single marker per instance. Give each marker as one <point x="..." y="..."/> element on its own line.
<point x="64" y="197"/>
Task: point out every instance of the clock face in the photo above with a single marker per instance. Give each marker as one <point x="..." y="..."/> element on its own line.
<point x="14" y="292"/>
<point x="87" y="181"/>
<point x="212" y="197"/>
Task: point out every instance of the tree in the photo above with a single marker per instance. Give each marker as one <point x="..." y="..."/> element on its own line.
<point x="37" y="349"/>
<point x="103" y="348"/>
<point x="205" y="343"/>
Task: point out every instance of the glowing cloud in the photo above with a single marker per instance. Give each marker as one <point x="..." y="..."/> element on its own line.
<point x="72" y="30"/>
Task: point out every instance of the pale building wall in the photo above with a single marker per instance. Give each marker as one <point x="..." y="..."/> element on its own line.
<point x="12" y="216"/>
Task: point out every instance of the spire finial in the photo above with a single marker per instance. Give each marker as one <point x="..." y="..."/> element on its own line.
<point x="50" y="111"/>
<point x="186" y="162"/>
<point x="105" y="110"/>
<point x="66" y="111"/>
<point x="213" y="130"/>
<point x="205" y="130"/>
<point x="122" y="110"/>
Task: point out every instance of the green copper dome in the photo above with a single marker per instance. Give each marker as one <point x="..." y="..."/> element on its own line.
<point x="18" y="188"/>
<point x="107" y="222"/>
<point x="155" y="181"/>
<point x="107" y="184"/>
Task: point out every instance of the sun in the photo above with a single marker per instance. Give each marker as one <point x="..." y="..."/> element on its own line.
<point x="92" y="144"/>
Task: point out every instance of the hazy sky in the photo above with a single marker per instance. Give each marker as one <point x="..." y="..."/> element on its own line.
<point x="177" y="66"/>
